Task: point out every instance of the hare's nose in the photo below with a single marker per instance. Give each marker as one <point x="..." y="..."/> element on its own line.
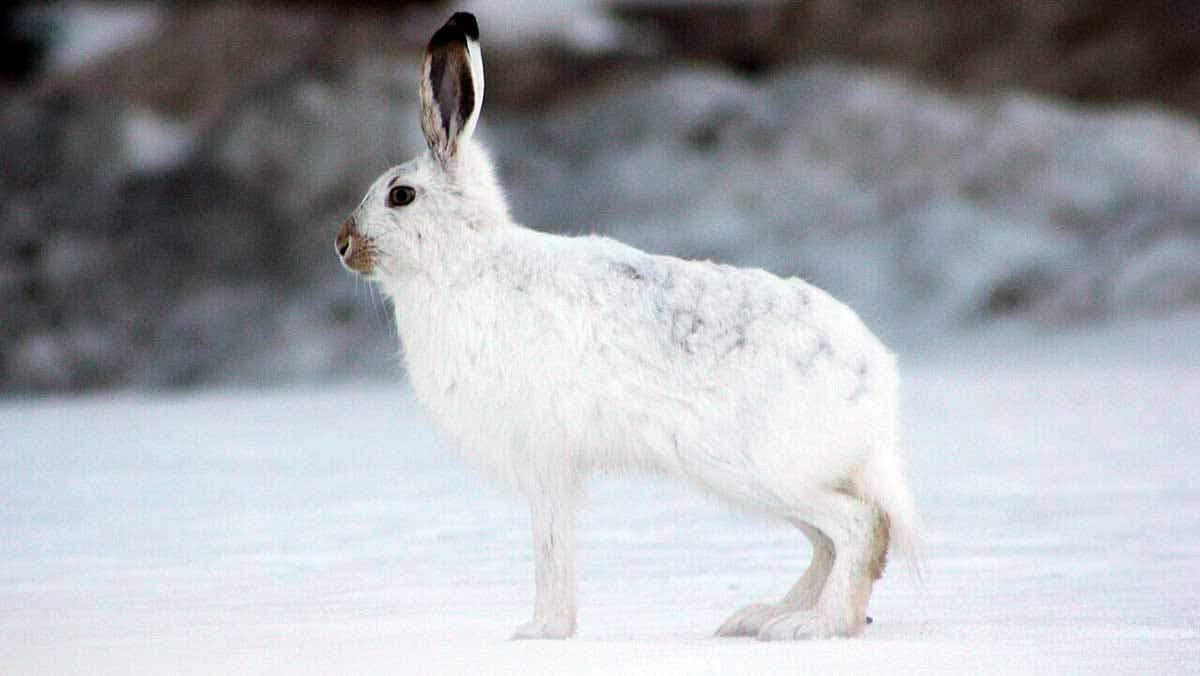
<point x="342" y="243"/>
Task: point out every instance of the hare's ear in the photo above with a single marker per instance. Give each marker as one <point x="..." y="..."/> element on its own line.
<point x="451" y="86"/>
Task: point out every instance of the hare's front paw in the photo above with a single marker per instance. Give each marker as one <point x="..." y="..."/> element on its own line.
<point x="545" y="628"/>
<point x="748" y="620"/>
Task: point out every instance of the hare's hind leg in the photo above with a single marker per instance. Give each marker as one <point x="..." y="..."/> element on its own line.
<point x="807" y="590"/>
<point x="859" y="533"/>
<point x="804" y="594"/>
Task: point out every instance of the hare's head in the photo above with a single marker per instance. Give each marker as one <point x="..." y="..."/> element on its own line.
<point x="428" y="205"/>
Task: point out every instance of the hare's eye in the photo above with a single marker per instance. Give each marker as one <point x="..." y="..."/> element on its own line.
<point x="400" y="196"/>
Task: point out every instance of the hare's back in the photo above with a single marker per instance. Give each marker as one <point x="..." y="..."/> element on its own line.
<point x="707" y="316"/>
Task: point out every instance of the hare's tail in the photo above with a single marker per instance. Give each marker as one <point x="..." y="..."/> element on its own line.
<point x="881" y="482"/>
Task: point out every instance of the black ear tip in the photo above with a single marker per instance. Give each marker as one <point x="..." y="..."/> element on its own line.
<point x="460" y="28"/>
<point x="465" y="21"/>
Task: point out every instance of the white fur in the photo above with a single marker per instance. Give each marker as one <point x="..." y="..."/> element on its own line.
<point x="475" y="60"/>
<point x="545" y="357"/>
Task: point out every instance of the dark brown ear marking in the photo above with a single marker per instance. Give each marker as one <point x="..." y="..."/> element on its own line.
<point x="450" y="75"/>
<point x="451" y="87"/>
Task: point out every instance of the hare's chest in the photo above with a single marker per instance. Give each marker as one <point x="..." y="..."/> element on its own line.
<point x="444" y="371"/>
<point x="461" y="369"/>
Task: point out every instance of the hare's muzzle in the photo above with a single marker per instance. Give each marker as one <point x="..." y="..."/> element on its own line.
<point x="353" y="249"/>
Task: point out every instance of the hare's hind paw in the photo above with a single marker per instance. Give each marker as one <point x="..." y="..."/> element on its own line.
<point x="748" y="620"/>
<point x="806" y="624"/>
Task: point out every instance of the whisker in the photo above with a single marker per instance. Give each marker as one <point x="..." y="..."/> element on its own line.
<point x="377" y="307"/>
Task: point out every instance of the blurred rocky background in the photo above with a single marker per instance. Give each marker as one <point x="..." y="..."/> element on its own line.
<point x="172" y="173"/>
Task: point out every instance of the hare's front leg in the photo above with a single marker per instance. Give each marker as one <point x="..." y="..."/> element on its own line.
<point x="553" y="511"/>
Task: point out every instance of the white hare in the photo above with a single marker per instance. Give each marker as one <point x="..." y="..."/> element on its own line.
<point x="545" y="357"/>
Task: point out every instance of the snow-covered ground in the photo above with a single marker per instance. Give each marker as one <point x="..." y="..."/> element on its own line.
<point x="328" y="530"/>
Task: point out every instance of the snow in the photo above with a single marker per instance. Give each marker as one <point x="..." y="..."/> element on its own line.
<point x="87" y="31"/>
<point x="581" y="24"/>
<point x="329" y="530"/>
<point x="155" y="142"/>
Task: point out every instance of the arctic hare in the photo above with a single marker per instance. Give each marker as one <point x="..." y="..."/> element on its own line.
<point x="546" y="356"/>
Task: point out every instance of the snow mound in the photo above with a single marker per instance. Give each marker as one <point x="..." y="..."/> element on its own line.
<point x="890" y="195"/>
